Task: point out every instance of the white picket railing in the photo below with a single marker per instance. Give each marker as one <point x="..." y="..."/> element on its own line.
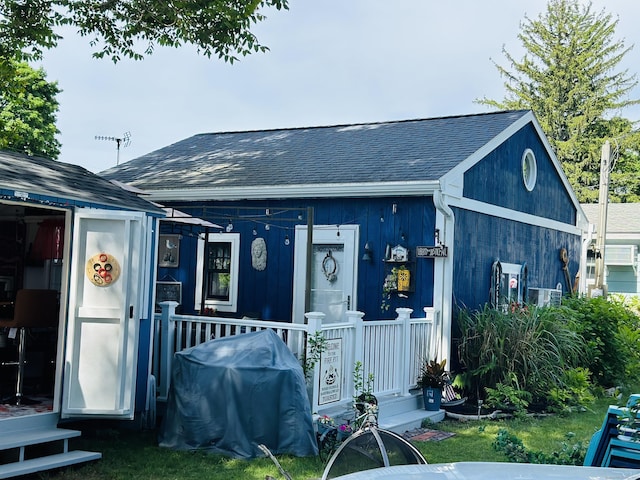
<point x="391" y="350"/>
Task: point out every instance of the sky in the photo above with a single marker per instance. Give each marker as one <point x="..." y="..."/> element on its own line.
<point x="331" y="62"/>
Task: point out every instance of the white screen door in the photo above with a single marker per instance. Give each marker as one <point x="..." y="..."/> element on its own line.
<point x="333" y="271"/>
<point x="105" y="307"/>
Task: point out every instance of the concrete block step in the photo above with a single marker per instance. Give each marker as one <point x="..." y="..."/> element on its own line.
<point x="49" y="462"/>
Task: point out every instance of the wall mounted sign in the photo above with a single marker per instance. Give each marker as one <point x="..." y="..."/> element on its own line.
<point x="168" y="291"/>
<point x="331" y="372"/>
<point x="438" y="251"/>
<point x="102" y="269"/>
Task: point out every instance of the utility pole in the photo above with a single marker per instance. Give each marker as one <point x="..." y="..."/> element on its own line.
<point x="600" y="289"/>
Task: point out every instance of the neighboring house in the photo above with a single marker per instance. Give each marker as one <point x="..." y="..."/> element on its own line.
<point x="442" y="212"/>
<point x="90" y="245"/>
<point x="622" y="242"/>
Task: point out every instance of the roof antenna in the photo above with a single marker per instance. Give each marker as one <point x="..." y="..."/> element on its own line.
<point x="125" y="141"/>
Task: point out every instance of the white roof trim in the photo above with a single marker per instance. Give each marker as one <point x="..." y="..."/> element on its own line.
<point x="329" y="190"/>
<point x="507" y="133"/>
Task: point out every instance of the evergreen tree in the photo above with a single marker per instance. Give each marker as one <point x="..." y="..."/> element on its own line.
<point x="28" y="109"/>
<point x="570" y="78"/>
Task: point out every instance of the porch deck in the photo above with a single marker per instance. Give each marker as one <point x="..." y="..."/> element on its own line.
<point x="389" y="349"/>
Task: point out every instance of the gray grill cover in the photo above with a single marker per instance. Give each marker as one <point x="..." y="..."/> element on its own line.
<point x="229" y="395"/>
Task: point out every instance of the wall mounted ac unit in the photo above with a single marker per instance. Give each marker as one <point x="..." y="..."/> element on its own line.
<point x="620" y="254"/>
<point x="544" y="297"/>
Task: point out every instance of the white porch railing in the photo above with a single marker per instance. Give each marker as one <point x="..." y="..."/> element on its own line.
<point x="391" y="350"/>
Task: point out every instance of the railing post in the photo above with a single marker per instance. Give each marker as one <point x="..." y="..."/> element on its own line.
<point x="167" y="346"/>
<point x="404" y="362"/>
<point x="354" y="317"/>
<point x="314" y="322"/>
<point x="435" y="339"/>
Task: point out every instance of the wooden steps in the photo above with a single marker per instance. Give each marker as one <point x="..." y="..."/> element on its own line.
<point x="37" y="448"/>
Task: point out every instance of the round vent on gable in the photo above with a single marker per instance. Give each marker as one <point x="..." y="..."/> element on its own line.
<point x="529" y="169"/>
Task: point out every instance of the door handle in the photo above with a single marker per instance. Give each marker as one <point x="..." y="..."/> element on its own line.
<point x="348" y="302"/>
<point x="130" y="311"/>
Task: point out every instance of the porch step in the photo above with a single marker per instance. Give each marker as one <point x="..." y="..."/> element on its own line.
<point x="35" y="436"/>
<point x="397" y="413"/>
<point x="403" y="422"/>
<point x="48" y="462"/>
<point x="20" y="453"/>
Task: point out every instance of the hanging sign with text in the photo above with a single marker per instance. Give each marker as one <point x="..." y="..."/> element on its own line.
<point x="437" y="251"/>
<point x="331" y="372"/>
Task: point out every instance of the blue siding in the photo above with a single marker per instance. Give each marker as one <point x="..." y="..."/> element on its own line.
<point x="510" y="242"/>
<point x="497" y="179"/>
<point x="268" y="294"/>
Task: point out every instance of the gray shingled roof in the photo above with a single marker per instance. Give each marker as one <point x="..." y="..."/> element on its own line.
<point x="621" y="217"/>
<point x="62" y="182"/>
<point x="421" y="150"/>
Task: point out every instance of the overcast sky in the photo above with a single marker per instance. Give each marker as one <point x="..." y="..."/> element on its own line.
<point x="330" y="62"/>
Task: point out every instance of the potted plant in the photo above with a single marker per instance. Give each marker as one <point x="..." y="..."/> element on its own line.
<point x="432" y="379"/>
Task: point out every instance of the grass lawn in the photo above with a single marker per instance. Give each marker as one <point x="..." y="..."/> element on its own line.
<point x="132" y="455"/>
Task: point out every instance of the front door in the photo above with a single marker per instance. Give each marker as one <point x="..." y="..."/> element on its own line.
<point x="333" y="271"/>
<point x="105" y="307"/>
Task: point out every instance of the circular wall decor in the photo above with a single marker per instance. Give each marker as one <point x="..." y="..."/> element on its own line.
<point x="102" y="269"/>
<point x="329" y="267"/>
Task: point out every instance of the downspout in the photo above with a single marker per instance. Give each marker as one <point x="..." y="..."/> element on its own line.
<point x="443" y="275"/>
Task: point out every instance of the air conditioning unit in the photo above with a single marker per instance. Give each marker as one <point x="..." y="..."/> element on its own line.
<point x="544" y="297"/>
<point x="620" y="255"/>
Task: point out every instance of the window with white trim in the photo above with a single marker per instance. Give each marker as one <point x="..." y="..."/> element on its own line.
<point x="218" y="266"/>
<point x="509" y="285"/>
<point x="529" y="169"/>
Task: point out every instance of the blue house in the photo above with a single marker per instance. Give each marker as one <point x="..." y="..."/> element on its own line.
<point x="440" y="212"/>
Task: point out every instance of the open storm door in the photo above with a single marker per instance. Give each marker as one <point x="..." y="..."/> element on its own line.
<point x="104" y="310"/>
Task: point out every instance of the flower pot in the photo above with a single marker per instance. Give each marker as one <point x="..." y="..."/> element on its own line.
<point x="432" y="398"/>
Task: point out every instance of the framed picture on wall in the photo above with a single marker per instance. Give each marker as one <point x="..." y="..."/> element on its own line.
<point x="169" y="251"/>
<point x="168" y="292"/>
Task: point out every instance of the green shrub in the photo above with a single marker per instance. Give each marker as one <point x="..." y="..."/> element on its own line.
<point x="516" y="452"/>
<point x="528" y="348"/>
<point x="574" y="394"/>
<point x="509" y="398"/>
<point x="610" y="332"/>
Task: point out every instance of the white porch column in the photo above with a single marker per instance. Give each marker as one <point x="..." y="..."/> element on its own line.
<point x="404" y="349"/>
<point x="167" y="346"/>
<point x="314" y="322"/>
<point x="356" y="353"/>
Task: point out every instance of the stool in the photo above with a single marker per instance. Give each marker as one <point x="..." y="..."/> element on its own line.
<point x="33" y="309"/>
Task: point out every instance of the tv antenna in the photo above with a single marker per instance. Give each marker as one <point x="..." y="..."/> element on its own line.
<point x="125" y="141"/>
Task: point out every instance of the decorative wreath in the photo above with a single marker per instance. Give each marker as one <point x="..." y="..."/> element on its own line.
<point x="329" y="267"/>
<point x="102" y="269"/>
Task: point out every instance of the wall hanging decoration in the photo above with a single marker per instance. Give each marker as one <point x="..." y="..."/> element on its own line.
<point x="102" y="269"/>
<point x="169" y="251"/>
<point x="259" y="254"/>
<point x="330" y="267"/>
